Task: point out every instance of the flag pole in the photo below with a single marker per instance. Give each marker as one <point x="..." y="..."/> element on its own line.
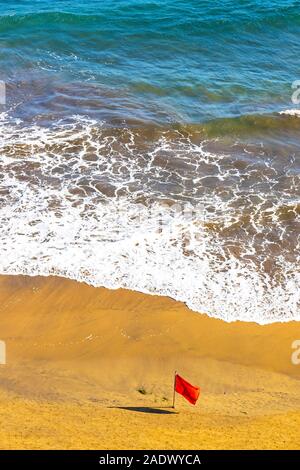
<point x="175" y="373"/>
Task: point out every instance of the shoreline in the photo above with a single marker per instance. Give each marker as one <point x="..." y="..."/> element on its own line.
<point x="146" y="292"/>
<point x="104" y="361"/>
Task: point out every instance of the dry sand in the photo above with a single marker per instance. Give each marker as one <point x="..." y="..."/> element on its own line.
<point x="93" y="369"/>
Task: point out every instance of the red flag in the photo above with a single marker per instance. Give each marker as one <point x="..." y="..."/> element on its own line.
<point x="188" y="391"/>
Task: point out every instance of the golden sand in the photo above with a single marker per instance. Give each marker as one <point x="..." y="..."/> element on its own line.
<point x="89" y="368"/>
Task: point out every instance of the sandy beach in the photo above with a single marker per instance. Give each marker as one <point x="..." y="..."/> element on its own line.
<point x="89" y="368"/>
<point x="149" y="227"/>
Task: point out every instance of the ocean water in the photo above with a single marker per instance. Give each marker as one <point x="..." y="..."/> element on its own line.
<point x="154" y="145"/>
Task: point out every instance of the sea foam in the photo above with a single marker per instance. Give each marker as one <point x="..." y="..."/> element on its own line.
<point x="291" y="112"/>
<point x="166" y="217"/>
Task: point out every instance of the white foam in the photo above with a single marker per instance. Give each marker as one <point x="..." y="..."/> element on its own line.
<point x="291" y="112"/>
<point x="113" y="241"/>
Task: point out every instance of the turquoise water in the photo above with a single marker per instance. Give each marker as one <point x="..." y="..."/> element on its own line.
<point x="158" y="61"/>
<point x="154" y="145"/>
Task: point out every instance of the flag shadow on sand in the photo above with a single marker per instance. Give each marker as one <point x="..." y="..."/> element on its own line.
<point x="146" y="409"/>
